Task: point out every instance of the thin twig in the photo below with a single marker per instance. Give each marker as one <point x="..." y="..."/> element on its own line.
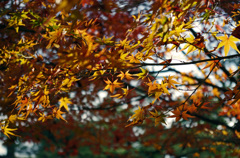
<point x="200" y="84"/>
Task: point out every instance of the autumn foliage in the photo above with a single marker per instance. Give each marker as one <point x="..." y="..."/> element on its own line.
<point x="121" y="78"/>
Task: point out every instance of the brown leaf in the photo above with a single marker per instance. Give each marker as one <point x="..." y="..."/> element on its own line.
<point x="236" y="32"/>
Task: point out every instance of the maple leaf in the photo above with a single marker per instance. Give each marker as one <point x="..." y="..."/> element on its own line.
<point x="192" y="108"/>
<point x="42" y="117"/>
<point x="139" y="114"/>
<point x="65" y="82"/>
<point x="158" y="117"/>
<point x="8" y="131"/>
<point x="13" y="118"/>
<point x="54" y="37"/>
<point x="58" y="114"/>
<point x="112" y="85"/>
<point x="138" y="117"/>
<point x="16" y="20"/>
<point x="170" y="82"/>
<point x="212" y="64"/>
<point x="143" y="74"/>
<point x="24" y="105"/>
<point x="63" y="103"/>
<point x="161" y="88"/>
<point x="30" y="109"/>
<point x="126" y="75"/>
<point x="157" y="89"/>
<point x="68" y="82"/>
<point x="134" y="123"/>
<point x="124" y="93"/>
<point x="41" y="98"/>
<point x="133" y="59"/>
<point x="12" y="88"/>
<point x="194" y="44"/>
<point x="189" y="45"/>
<point x="180" y="114"/>
<point x="152" y="85"/>
<point x="227" y="42"/>
<point x="178" y="30"/>
<point x="97" y="72"/>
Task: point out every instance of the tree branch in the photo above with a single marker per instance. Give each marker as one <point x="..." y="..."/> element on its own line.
<point x="189" y="63"/>
<point x="222" y="67"/>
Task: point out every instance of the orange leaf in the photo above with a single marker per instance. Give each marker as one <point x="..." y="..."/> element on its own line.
<point x="112" y="85"/>
<point x="180" y="114"/>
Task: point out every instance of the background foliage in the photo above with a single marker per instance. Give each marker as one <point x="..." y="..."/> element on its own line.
<point x="113" y="78"/>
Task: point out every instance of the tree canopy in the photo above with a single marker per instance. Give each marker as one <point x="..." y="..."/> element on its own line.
<point x="114" y="78"/>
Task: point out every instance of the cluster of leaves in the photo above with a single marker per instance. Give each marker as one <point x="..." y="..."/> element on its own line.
<point x="59" y="59"/>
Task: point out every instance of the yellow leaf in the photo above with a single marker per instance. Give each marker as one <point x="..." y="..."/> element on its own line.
<point x="58" y="114"/>
<point x="170" y="82"/>
<point x="65" y="81"/>
<point x="63" y="103"/>
<point x="227" y="42"/>
<point x="178" y="30"/>
<point x="138" y="117"/>
<point x="224" y="132"/>
<point x="97" y="72"/>
<point x="194" y="44"/>
<point x="161" y="88"/>
<point x="120" y="95"/>
<point x="13" y="118"/>
<point x="8" y="131"/>
<point x="143" y="74"/>
<point x="42" y="117"/>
